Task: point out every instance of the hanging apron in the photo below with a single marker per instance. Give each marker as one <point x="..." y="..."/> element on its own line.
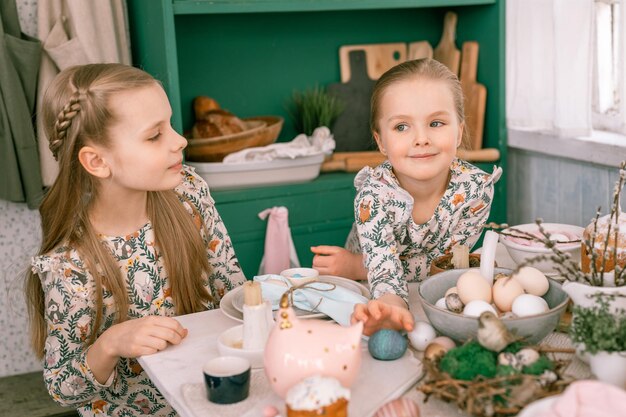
<point x="20" y="55"/>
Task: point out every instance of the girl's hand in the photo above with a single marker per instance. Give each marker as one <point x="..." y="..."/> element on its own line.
<point x="333" y="260"/>
<point x="142" y="336"/>
<point x="378" y="314"/>
<point x="130" y="339"/>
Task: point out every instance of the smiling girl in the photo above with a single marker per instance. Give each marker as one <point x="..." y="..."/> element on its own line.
<point x="131" y="237"/>
<point x="421" y="201"/>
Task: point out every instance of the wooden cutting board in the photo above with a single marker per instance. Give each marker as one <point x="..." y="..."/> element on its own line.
<point x="351" y="129"/>
<point x="355" y="161"/>
<point x="446" y="51"/>
<point x="379" y="58"/>
<point x="475" y="94"/>
<point x="419" y="50"/>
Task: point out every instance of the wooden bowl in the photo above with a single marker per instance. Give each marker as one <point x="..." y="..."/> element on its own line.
<point x="263" y="130"/>
<point x="436" y="266"/>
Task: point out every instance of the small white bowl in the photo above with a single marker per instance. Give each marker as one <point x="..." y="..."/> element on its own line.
<point x="230" y="343"/>
<point x="521" y="253"/>
<point x="299" y="276"/>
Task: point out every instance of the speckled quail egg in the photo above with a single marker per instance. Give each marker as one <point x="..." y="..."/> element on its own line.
<point x="527" y="356"/>
<point x="454" y="303"/>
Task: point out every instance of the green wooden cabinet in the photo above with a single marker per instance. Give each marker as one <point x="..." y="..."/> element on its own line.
<point x="250" y="55"/>
<point x="320" y="213"/>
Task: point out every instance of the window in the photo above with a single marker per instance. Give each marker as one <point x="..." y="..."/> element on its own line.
<point x="609" y="110"/>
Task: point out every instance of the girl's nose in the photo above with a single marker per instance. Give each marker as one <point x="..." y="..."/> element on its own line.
<point x="420" y="137"/>
<point x="180" y="142"/>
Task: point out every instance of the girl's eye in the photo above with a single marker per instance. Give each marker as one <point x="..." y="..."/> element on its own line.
<point x="436" y="123"/>
<point x="155" y="137"/>
<point x="402" y="127"/>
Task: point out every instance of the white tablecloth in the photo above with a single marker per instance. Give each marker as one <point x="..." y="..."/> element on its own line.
<point x="177" y="370"/>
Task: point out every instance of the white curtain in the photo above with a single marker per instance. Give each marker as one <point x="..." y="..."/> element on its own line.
<point x="549" y="66"/>
<point x="76" y="32"/>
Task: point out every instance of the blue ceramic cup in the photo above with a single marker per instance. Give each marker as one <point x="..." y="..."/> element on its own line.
<point x="227" y="379"/>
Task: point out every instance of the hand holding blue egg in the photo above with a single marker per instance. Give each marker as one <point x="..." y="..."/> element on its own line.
<point x="387" y="345"/>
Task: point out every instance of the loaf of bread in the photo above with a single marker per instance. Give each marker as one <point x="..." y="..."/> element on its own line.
<point x="605" y="237"/>
<point x="217" y="123"/>
<point x="202" y="105"/>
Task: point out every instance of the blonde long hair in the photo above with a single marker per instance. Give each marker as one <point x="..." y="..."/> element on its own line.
<point x="426" y="68"/>
<point x="76" y="112"/>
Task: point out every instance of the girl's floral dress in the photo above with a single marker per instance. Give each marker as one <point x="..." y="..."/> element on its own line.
<point x="397" y="250"/>
<point x="70" y="305"/>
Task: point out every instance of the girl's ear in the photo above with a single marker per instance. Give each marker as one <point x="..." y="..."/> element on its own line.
<point x="459" y="140"/>
<point x="379" y="142"/>
<point x="91" y="159"/>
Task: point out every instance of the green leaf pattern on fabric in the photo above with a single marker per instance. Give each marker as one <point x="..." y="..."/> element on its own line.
<point x="396" y="249"/>
<point x="70" y="309"/>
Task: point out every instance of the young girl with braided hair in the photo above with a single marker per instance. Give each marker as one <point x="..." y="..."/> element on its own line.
<point x="420" y="202"/>
<point x="131" y="237"/>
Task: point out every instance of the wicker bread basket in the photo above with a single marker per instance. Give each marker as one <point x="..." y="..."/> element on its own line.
<point x="262" y="130"/>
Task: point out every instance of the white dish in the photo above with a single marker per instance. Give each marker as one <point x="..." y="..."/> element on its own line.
<point x="521" y="253"/>
<point x="229" y="339"/>
<point x="221" y="176"/>
<point x="537" y="407"/>
<point x="232" y="302"/>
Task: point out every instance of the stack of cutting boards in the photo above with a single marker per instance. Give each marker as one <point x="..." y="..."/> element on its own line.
<point x="362" y="65"/>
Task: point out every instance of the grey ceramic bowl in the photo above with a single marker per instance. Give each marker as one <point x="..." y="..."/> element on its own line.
<point x="461" y="328"/>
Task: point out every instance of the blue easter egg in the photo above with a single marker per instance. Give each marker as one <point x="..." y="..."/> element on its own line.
<point x="387" y="345"/>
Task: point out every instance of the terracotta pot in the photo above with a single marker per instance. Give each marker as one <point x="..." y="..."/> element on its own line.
<point x="435" y="268"/>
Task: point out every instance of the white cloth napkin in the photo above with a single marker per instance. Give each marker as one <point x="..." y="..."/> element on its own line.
<point x="321" y="141"/>
<point x="333" y="300"/>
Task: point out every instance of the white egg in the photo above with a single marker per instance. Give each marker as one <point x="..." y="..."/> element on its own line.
<point x="441" y="303"/>
<point x="421" y="335"/>
<point x="476" y="307"/>
<point x="558" y="237"/>
<point x="532" y="280"/>
<point x="472" y="286"/>
<point x="529" y="305"/>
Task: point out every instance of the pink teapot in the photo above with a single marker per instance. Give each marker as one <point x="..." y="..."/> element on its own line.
<point x="297" y="349"/>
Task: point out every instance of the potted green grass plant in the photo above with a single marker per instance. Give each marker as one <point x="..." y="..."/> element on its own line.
<point x="600" y="335"/>
<point x="313" y="108"/>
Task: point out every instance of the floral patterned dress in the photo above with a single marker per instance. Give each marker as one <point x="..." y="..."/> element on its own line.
<point x="70" y="305"/>
<point x="397" y="250"/>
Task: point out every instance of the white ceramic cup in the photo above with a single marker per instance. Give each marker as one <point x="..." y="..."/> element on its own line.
<point x="299" y="276"/>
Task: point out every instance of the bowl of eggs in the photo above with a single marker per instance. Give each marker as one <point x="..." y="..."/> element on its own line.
<point x="521" y="248"/>
<point x="528" y="303"/>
